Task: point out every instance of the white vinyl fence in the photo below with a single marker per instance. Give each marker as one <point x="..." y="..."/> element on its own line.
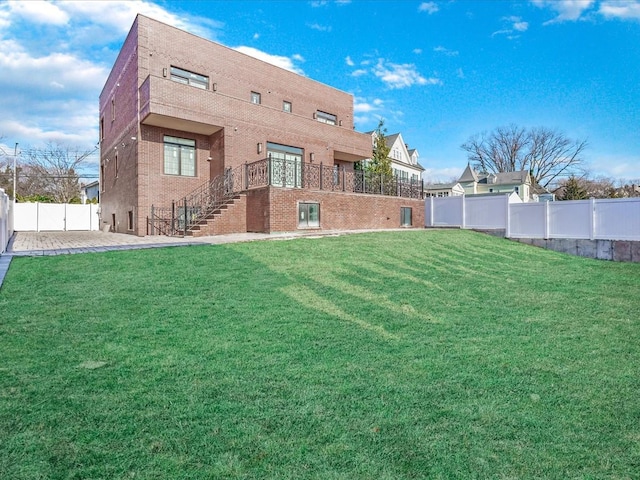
<point x="38" y="217"/>
<point x="6" y="220"/>
<point x="601" y="219"/>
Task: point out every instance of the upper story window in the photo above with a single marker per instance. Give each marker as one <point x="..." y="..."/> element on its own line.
<point x="179" y="156"/>
<point x="189" y="78"/>
<point x="256" y="98"/>
<point x="286" y="106"/>
<point x="327" y="118"/>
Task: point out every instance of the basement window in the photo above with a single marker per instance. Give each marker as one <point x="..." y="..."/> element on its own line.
<point x="256" y="98"/>
<point x="130" y="220"/>
<point x="405" y="217"/>
<point x="189" y="78"/>
<point x="308" y="215"/>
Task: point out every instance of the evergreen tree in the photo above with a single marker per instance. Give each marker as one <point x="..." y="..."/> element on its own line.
<point x="380" y="161"/>
<point x="573" y="190"/>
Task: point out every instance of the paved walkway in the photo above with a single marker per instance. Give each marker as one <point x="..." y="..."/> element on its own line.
<point x="62" y="243"/>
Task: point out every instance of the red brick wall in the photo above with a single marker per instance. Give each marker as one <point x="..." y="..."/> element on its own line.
<point x="226" y="126"/>
<point x="338" y="211"/>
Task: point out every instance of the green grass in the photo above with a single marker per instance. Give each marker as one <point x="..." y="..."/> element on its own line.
<point x="418" y="354"/>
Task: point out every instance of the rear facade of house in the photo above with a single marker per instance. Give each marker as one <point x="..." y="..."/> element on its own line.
<point x="199" y="138"/>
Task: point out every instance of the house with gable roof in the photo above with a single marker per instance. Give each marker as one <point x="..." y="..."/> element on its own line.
<point x="475" y="183"/>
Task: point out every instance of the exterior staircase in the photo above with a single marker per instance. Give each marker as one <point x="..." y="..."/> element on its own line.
<point x="231" y="217"/>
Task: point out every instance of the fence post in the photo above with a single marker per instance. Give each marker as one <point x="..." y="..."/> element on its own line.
<point x="184" y="228"/>
<point x="320" y="175"/>
<point x="173" y="217"/>
<point x="464" y="211"/>
<point x="432" y="204"/>
<point x="507" y="227"/>
<point x="344" y="174"/>
<point x="246" y="176"/>
<point x="546" y="220"/>
<point x="592" y="218"/>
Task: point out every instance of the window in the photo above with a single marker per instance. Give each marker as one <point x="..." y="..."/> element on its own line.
<point x="113" y="109"/>
<point x="189" y="78"/>
<point x="308" y="215"/>
<point x="517" y="190"/>
<point x="101" y="128"/>
<point x="256" y="98"/>
<point x="286" y="107"/>
<point x="130" y="220"/>
<point x="179" y="156"/>
<point x="102" y="180"/>
<point x="285" y="162"/>
<point x="116" y="166"/>
<point x="325" y="117"/>
<point x="405" y="216"/>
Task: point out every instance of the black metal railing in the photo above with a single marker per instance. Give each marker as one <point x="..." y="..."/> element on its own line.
<point x="209" y="198"/>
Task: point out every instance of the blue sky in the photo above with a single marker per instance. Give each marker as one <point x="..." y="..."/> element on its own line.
<point x="436" y="71"/>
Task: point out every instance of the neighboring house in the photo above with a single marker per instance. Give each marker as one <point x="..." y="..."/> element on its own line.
<point x="198" y="137"/>
<point x="404" y="161"/>
<point x="443" y="190"/>
<point x="91" y="191"/>
<point x="474" y="183"/>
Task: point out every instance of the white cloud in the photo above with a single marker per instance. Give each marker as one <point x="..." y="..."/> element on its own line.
<point x="39" y="11"/>
<point x="359" y="73"/>
<point x="349" y="62"/>
<point x="566" y="10"/>
<point x="398" y="76"/>
<point x="442" y="175"/>
<point x="460" y="73"/>
<point x="429" y="7"/>
<point x="362" y="106"/>
<point x="320" y="28"/>
<point x="256" y="36"/>
<point x="627" y="10"/>
<point x="446" y="51"/>
<point x="515" y="24"/>
<point x="417" y="51"/>
<point x="277" y="60"/>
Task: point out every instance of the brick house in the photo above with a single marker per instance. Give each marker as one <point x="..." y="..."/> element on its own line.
<point x="197" y="138"/>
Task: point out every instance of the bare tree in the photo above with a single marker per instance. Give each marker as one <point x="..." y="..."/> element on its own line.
<point x="546" y="153"/>
<point x="52" y="172"/>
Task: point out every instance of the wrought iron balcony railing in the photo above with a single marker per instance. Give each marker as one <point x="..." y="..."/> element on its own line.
<point x="211" y="197"/>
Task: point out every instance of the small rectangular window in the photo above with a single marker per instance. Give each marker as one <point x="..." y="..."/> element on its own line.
<point x="102" y="180"/>
<point x="255" y="98"/>
<point x="101" y="128"/>
<point x="130" y="220"/>
<point x="113" y="109"/>
<point x="308" y="215"/>
<point x="179" y="156"/>
<point x="405" y="217"/>
<point x="286" y="107"/>
<point x="327" y="118"/>
<point x="116" y="166"/>
<point x="189" y="78"/>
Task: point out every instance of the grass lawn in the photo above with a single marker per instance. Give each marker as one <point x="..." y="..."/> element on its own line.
<point x="418" y="354"/>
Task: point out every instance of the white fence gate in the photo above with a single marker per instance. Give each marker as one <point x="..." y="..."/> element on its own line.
<point x="594" y="219"/>
<point x="6" y="220"/>
<point x="37" y="217"/>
